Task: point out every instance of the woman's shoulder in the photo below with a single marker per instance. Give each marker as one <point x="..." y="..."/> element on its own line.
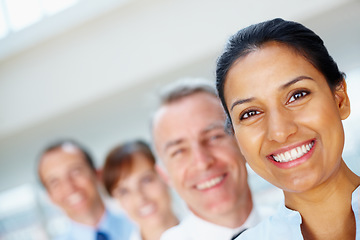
<point x="283" y="225"/>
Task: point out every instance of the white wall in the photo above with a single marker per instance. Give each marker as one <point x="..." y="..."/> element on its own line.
<point x="96" y="81"/>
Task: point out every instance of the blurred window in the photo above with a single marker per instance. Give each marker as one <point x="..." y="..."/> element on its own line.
<point x="26" y="212"/>
<point x="22" y="13"/>
<point x="3" y="25"/>
<point x="55" y="6"/>
<point x="19" y="14"/>
<point x="19" y="215"/>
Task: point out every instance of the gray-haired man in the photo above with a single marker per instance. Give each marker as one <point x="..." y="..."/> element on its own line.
<point x="202" y="162"/>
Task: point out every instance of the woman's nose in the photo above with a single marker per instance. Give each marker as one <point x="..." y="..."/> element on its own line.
<point x="280" y="125"/>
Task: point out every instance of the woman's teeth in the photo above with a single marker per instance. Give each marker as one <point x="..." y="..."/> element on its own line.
<point x="208" y="184"/>
<point x="294" y="153"/>
<point x="147" y="210"/>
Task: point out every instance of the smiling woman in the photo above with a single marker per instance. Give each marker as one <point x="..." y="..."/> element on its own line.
<point x="129" y="176"/>
<point x="285" y="99"/>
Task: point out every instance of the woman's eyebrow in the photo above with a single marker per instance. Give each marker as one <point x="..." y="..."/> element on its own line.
<point x="286" y="85"/>
<point x="295" y="80"/>
<point x="241" y="101"/>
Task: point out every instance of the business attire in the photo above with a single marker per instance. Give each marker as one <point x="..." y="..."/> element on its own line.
<point x="195" y="228"/>
<point x="285" y="224"/>
<point x="111" y="227"/>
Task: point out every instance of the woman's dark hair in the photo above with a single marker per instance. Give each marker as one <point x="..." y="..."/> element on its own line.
<point x="119" y="162"/>
<point x="292" y="34"/>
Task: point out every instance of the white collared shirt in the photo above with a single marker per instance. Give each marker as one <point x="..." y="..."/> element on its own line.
<point x="195" y="228"/>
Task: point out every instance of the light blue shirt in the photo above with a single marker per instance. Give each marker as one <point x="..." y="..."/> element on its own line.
<point x="285" y="224"/>
<point x="116" y="226"/>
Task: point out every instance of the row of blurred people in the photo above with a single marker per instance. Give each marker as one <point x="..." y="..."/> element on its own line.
<point x="204" y="164"/>
<point x="68" y="174"/>
<point x="195" y="156"/>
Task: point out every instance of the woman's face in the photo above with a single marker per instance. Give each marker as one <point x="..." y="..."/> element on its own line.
<point x="286" y="119"/>
<point x="142" y="194"/>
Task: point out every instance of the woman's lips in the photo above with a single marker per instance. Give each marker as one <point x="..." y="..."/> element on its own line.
<point x="293" y="156"/>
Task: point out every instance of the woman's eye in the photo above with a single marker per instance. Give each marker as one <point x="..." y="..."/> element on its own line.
<point x="249" y="114"/>
<point x="122" y="192"/>
<point x="147" y="179"/>
<point x="298" y="95"/>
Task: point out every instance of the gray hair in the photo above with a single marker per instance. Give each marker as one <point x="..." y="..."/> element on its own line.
<point x="185" y="87"/>
<point x="176" y="91"/>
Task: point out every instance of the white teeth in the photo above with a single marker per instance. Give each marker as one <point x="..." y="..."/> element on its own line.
<point x="294" y="153"/>
<point x="208" y="184"/>
<point x="287" y="156"/>
<point x="74" y="198"/>
<point x="146" y="210"/>
<point x="282" y="157"/>
<point x="303" y="148"/>
<point x="299" y="152"/>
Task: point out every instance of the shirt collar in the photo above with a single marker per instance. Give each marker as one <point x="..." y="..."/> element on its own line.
<point x="202" y="229"/>
<point x="82" y="231"/>
<point x="355" y="204"/>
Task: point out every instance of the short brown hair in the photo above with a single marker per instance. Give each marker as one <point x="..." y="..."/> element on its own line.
<point x="119" y="161"/>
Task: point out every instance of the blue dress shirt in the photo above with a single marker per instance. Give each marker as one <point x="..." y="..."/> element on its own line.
<point x="113" y="226"/>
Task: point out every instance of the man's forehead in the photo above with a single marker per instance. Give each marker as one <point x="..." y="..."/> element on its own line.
<point x="64" y="152"/>
<point x="183" y="137"/>
<point x="198" y="113"/>
<point x="57" y="158"/>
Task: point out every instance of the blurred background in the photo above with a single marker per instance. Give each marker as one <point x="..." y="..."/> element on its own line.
<point x="90" y="70"/>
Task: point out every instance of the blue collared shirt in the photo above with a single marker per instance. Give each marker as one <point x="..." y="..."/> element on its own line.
<point x="116" y="226"/>
<point x="285" y="224"/>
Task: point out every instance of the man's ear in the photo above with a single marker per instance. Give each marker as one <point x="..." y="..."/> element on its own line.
<point x="342" y="100"/>
<point x="163" y="174"/>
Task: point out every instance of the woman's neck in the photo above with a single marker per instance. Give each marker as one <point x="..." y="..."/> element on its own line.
<point x="326" y="211"/>
<point x="154" y="233"/>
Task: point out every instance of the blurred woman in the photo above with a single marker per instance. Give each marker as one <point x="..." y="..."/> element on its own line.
<point x="129" y="176"/>
<point x="285" y="99"/>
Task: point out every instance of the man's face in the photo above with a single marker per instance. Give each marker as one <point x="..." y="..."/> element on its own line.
<point x="202" y="162"/>
<point x="69" y="181"/>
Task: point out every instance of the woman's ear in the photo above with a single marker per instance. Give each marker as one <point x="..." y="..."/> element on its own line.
<point x="163" y="174"/>
<point x="342" y="100"/>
